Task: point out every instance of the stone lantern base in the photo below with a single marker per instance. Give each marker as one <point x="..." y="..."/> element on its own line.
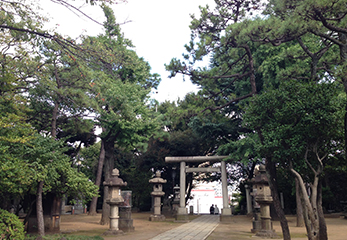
<point x="157" y="218"/>
<point x="267" y="234"/>
<point x="256" y="224"/>
<point x="125" y="220"/>
<point x="175" y="206"/>
<point x="113" y="232"/>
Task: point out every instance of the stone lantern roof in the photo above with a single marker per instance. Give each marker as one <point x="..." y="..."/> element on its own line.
<point x="157" y="178"/>
<point x="114" y="180"/>
<point x="261" y="177"/>
<point x="157" y="182"/>
<point x="114" y="183"/>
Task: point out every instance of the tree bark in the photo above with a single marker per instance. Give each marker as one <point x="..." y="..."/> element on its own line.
<point x="93" y="204"/>
<point x="345" y="124"/>
<point x="314" y="194"/>
<point x="105" y="217"/>
<point x="54" y="120"/>
<point x="272" y="177"/>
<point x="323" y="234"/>
<point x="310" y="214"/>
<point x="109" y="165"/>
<point x="39" y="211"/>
<point x="299" y="210"/>
<point x="343" y="75"/>
<point x="271" y="170"/>
<point x="56" y="105"/>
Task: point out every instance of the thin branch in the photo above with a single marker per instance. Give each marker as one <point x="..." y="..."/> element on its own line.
<point x="305" y="48"/>
<point x="309" y="164"/>
<point x="237" y="77"/>
<point x="73" y="9"/>
<point x="251" y="80"/>
<point x="229" y="103"/>
<point x="277" y="41"/>
<point x="326" y="36"/>
<point x="56" y="38"/>
<point x="328" y="25"/>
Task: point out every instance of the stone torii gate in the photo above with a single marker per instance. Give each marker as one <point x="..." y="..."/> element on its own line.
<point x="182" y="214"/>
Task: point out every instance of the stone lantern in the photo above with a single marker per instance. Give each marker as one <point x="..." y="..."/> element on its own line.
<point x="256" y="210"/>
<point x="262" y="195"/>
<point x="157" y="193"/>
<point x="176" y="199"/>
<point x="114" y="199"/>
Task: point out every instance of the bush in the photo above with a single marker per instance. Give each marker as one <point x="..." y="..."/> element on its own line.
<point x="10" y="226"/>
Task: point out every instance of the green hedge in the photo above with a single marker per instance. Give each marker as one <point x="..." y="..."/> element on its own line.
<point x="10" y="226"/>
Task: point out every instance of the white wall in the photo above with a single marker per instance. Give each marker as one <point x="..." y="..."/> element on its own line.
<point x="204" y="195"/>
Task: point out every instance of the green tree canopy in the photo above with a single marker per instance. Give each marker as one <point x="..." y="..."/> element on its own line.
<point x="300" y="127"/>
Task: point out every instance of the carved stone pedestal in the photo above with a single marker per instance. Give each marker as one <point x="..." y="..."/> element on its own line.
<point x="125" y="221"/>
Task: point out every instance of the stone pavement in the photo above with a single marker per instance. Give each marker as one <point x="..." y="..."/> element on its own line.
<point x="198" y="229"/>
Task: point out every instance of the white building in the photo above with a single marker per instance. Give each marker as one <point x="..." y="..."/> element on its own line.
<point x="206" y="194"/>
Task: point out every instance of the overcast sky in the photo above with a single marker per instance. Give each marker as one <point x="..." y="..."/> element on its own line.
<point x="158" y="29"/>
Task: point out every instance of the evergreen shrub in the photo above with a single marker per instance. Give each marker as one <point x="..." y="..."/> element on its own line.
<point x="10" y="226"/>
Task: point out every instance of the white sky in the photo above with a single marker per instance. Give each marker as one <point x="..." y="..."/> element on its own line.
<point x="159" y="29"/>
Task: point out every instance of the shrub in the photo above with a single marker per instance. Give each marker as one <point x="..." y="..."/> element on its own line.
<point x="10" y="226"/>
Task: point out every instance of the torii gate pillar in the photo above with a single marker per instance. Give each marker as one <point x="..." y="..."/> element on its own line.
<point x="226" y="210"/>
<point x="182" y="214"/>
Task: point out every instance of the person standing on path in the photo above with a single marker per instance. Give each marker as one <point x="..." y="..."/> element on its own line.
<point x="212" y="209"/>
<point x="216" y="210"/>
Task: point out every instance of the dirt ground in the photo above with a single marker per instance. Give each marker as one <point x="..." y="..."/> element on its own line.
<point x="238" y="229"/>
<point x="84" y="224"/>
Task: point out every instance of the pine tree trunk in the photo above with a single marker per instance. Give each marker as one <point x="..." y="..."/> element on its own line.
<point x="272" y="176"/>
<point x="109" y="165"/>
<point x="93" y="204"/>
<point x="299" y="211"/>
<point x="39" y="211"/>
<point x="271" y="170"/>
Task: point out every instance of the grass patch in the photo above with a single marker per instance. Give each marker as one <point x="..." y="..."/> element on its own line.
<point x="65" y="237"/>
<point x="89" y="233"/>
